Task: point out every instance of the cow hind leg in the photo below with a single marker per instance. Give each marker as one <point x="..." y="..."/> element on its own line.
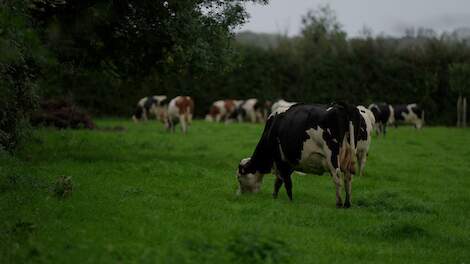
<point x="277" y="185"/>
<point x="278" y="182"/>
<point x="362" y="163"/>
<point x="336" y="177"/>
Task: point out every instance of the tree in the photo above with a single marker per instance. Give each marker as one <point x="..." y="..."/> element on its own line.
<point x="131" y="48"/>
<point x="22" y="57"/>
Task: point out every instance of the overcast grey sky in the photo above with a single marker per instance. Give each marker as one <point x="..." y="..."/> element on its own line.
<point x="389" y="16"/>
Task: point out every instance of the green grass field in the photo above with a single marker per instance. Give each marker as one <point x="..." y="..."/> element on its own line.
<point x="146" y="196"/>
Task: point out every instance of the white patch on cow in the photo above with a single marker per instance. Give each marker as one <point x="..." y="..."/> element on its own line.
<point x="391" y="118"/>
<point x="159" y="98"/>
<point x="141" y="102"/>
<point x="249" y="107"/>
<point x="280" y="107"/>
<point x="245" y="161"/>
<point x="329" y="108"/>
<point x="315" y="154"/>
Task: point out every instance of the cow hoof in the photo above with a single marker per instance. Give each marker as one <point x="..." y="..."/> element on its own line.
<point x="339" y="205"/>
<point x="347" y="205"/>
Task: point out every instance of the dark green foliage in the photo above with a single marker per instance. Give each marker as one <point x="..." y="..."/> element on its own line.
<point x="113" y="53"/>
<point x="459" y="75"/>
<point x="21" y="58"/>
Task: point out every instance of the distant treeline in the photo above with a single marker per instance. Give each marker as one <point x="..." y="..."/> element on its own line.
<point x="323" y="64"/>
<point x="104" y="55"/>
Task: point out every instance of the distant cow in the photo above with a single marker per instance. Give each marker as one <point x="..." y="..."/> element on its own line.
<point x="409" y="114"/>
<point x="180" y="109"/>
<point x="307" y="138"/>
<point x="150" y="105"/>
<point x="222" y="110"/>
<point x="239" y="114"/>
<point x="364" y="137"/>
<point x="253" y="110"/>
<point x="384" y="116"/>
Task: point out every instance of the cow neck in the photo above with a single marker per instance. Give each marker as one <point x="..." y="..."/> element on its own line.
<point x="262" y="158"/>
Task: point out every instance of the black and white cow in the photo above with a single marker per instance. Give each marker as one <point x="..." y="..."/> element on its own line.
<point x="383" y="114"/>
<point x="253" y="109"/>
<point x="150" y="105"/>
<point x="307" y="138"/>
<point x="364" y="137"/>
<point x="409" y="114"/>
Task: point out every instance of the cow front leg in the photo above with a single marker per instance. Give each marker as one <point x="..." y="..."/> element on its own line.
<point x="277" y="185"/>
<point x="347" y="189"/>
<point x="183" y="124"/>
<point x="284" y="171"/>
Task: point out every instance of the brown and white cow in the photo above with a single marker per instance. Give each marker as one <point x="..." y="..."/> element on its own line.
<point x="222" y="110"/>
<point x="307" y="138"/>
<point x="150" y="105"/>
<point x="180" y="109"/>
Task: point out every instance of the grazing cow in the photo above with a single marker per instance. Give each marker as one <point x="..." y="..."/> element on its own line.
<point x="239" y="114"/>
<point x="180" y="109"/>
<point x="222" y="110"/>
<point x="253" y="110"/>
<point x="383" y="114"/>
<point x="364" y="137"/>
<point x="150" y="105"/>
<point x="410" y="114"/>
<point x="306" y="138"/>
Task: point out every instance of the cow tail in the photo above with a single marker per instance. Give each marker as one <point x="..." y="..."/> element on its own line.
<point x="351" y="135"/>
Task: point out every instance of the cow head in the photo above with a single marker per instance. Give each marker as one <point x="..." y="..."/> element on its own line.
<point x="249" y="179"/>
